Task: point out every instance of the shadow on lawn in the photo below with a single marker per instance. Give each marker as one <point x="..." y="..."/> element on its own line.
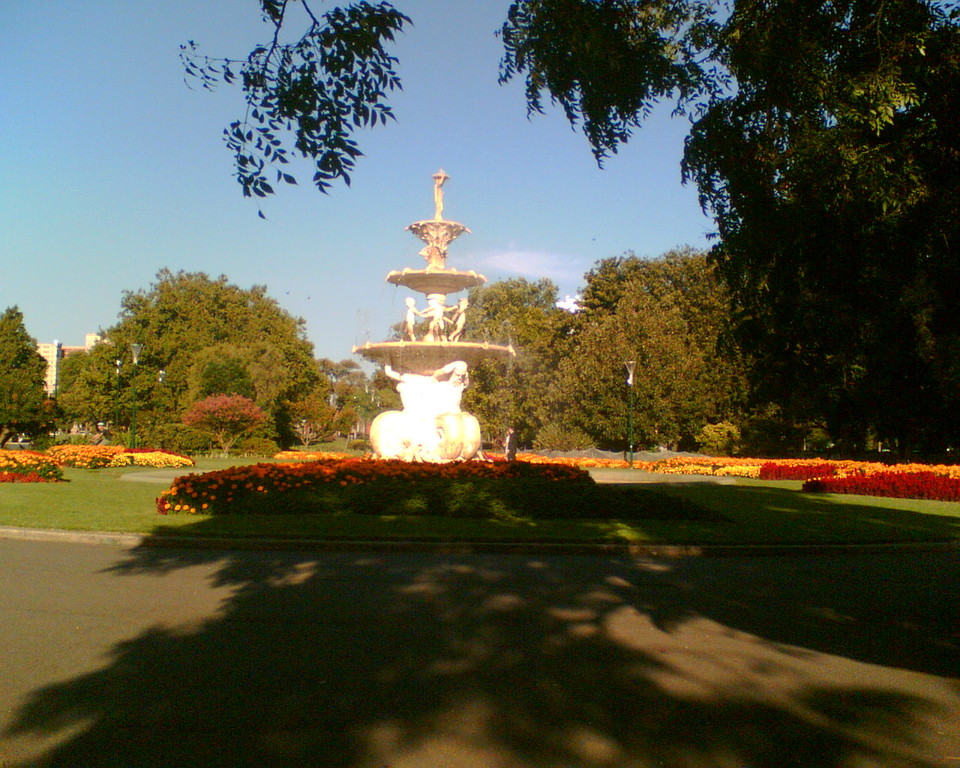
<point x="800" y="517"/>
<point x="353" y="659"/>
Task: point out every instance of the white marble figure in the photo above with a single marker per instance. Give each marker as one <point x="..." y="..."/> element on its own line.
<point x="431" y="427"/>
<point x="410" y="322"/>
<point x="458" y="321"/>
<point x="436" y="310"/>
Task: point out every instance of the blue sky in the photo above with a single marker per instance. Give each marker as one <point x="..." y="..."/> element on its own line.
<point x="111" y="168"/>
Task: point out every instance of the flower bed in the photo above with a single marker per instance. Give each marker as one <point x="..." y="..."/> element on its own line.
<point x="30" y="477"/>
<point x="718" y="466"/>
<point x="311" y="455"/>
<point x="271" y="488"/>
<point x="100" y="456"/>
<point x="532" y="458"/>
<point x="896" y="484"/>
<point x="151" y="458"/>
<point x="84" y="456"/>
<point x="780" y="470"/>
<point x="15" y="466"/>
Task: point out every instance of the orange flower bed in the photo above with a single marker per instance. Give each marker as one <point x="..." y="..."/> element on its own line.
<point x="84" y="456"/>
<point x="311" y="455"/>
<point x="28" y="466"/>
<point x="216" y="492"/>
<point x="99" y="456"/>
<point x="572" y="462"/>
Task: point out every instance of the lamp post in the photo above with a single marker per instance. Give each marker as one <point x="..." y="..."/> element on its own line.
<point x="135" y="350"/>
<point x="116" y="409"/>
<point x="630" y="365"/>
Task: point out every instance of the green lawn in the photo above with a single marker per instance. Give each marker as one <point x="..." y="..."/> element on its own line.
<point x="755" y="512"/>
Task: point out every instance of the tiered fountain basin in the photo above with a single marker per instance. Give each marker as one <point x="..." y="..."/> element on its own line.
<point x="425" y="357"/>
<point x="434" y="281"/>
<point x="431" y="363"/>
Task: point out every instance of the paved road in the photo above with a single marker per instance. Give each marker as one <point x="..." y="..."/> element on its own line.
<point x="148" y="658"/>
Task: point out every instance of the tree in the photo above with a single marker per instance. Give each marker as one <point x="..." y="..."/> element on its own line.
<point x="513" y="394"/>
<point x="203" y="334"/>
<point x="316" y="90"/>
<point x="226" y="418"/>
<point x="832" y="174"/>
<point x="23" y="404"/>
<point x="825" y="140"/>
<point x="224" y="376"/>
<point x="669" y="316"/>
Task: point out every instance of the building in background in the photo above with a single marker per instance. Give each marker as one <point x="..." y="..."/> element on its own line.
<point x="54" y="352"/>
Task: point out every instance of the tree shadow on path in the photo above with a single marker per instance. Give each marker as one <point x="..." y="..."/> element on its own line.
<point x="366" y="660"/>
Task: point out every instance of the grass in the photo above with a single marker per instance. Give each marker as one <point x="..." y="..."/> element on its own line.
<point x="750" y="512"/>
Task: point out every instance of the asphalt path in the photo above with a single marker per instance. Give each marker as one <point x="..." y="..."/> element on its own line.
<point x="147" y="657"/>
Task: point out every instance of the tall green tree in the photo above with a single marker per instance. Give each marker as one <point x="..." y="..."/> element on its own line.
<point x="186" y="323"/>
<point x="824" y="140"/>
<point x="669" y="315"/>
<point x="23" y="402"/>
<point x="513" y="393"/>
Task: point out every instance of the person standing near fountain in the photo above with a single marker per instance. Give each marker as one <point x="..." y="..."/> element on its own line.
<point x="510" y="444"/>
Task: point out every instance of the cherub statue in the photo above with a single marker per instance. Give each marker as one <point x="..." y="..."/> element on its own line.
<point x="411" y="320"/>
<point x="436" y="310"/>
<point x="458" y="320"/>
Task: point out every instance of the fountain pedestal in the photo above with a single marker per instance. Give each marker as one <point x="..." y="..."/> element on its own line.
<point x="431" y="371"/>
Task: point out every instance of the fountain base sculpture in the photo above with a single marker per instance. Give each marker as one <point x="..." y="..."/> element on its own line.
<point x="431" y="426"/>
<point x="431" y="372"/>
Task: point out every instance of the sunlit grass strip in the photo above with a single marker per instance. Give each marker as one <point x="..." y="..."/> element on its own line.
<point x="217" y="492"/>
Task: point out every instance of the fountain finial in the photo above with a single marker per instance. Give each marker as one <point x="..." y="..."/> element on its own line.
<point x="438" y="178"/>
<point x="437" y="233"/>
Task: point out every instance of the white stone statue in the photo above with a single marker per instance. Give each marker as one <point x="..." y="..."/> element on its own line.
<point x="436" y="311"/>
<point x="410" y="321"/>
<point x="459" y="319"/>
<point x="431" y="427"/>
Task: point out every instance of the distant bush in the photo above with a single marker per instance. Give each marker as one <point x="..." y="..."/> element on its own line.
<point x="358" y="445"/>
<point x="256" y="446"/>
<point x="721" y="439"/>
<point x="178" y="438"/>
<point x="556" y="437"/>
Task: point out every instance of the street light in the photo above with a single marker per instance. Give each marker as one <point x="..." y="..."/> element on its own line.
<point x="630" y="364"/>
<point x="116" y="411"/>
<point x="135" y="350"/>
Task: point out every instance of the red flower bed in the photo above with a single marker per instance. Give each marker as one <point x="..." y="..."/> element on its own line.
<point x="778" y="470"/>
<point x="900" y="485"/>
<point x="30" y="477"/>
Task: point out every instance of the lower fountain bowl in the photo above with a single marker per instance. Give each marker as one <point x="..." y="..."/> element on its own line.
<point x="425" y="357"/>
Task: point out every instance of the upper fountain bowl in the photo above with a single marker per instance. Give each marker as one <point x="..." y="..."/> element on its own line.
<point x="436" y="280"/>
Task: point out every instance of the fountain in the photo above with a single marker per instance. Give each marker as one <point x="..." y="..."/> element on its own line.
<point x="431" y="371"/>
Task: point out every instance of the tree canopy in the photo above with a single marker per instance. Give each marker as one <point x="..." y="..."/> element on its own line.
<point x="567" y="385"/>
<point x="209" y="337"/>
<point x="824" y="140"/>
<point x="23" y="403"/>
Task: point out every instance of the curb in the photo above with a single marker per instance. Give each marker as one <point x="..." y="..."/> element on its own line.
<point x="666" y="551"/>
